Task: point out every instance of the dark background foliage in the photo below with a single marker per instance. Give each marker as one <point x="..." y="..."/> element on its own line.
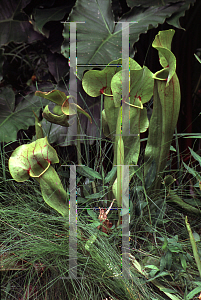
<point x="185" y="43"/>
<point x="39" y="58"/>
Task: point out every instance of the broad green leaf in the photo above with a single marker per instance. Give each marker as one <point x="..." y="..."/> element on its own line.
<point x="114" y="188"/>
<point x="95" y="196"/>
<point x="195" y="155"/>
<point x="163" y="263"/>
<point x="169" y="260"/>
<point x="165" y="244"/>
<point x="44" y="15"/>
<point x="166" y="290"/>
<point x="138" y="172"/>
<point x="92" y="214"/>
<point x="161" y="274"/>
<point x="193" y="293"/>
<point x="14" y="23"/>
<point x="151" y="174"/>
<point x="110" y="174"/>
<point x="88" y="172"/>
<point x="13" y="118"/>
<point x="147" y="3"/>
<point x="152" y="267"/>
<point x="192" y="171"/>
<point x="183" y="261"/>
<point x="106" y="46"/>
<point x="196" y="236"/>
<point x="182" y="7"/>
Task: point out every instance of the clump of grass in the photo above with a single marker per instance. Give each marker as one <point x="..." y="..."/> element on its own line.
<point x="35" y="242"/>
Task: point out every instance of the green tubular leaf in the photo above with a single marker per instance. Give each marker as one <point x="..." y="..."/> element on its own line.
<point x="162" y="42"/>
<point x="165" y="108"/>
<point x="141" y="90"/>
<point x="167" y="59"/>
<point x="114" y="188"/>
<point x="53" y="192"/>
<point x="72" y="109"/>
<point x="67" y="108"/>
<point x="162" y="74"/>
<point x="97" y="82"/>
<point x="38" y="128"/>
<point x="32" y="160"/>
<point x="57" y="110"/>
<point x="55" y="96"/>
<point x="141" y="85"/>
<point x="55" y="119"/>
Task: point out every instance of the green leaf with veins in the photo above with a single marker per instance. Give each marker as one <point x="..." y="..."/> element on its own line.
<point x="102" y="48"/>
